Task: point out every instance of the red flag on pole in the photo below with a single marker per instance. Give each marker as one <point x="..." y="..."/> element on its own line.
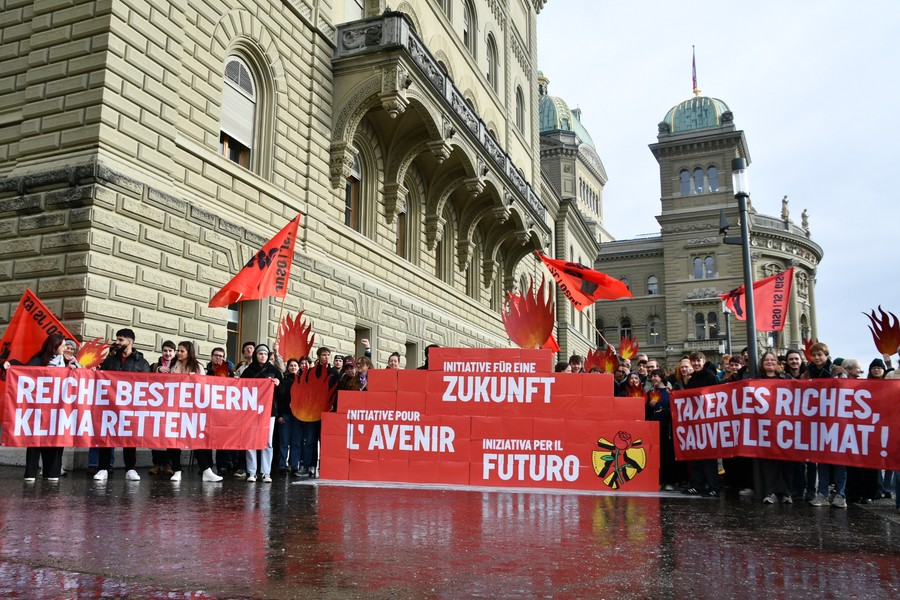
<point x="266" y="274"/>
<point x="583" y="286"/>
<point x="771" y="297"/>
<point x="29" y="327"/>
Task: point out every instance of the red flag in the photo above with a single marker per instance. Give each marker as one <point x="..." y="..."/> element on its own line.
<point x="29" y="327"/>
<point x="770" y="297"/>
<point x="584" y="286"/>
<point x="267" y="273"/>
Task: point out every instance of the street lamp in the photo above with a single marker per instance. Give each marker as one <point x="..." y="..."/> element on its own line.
<point x="741" y="184"/>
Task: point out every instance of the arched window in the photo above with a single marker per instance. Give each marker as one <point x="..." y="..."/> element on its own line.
<point x="238" y="126"/>
<point x="712" y="325"/>
<point x="520" y="109"/>
<point x="626" y="282"/>
<point x="598" y="323"/>
<point x="473" y="269"/>
<point x="652" y="286"/>
<point x="804" y="328"/>
<point x="493" y="76"/>
<point x="712" y="176"/>
<point x="352" y="196"/>
<point x="709" y="264"/>
<point x="625" y="329"/>
<point x="698" y="181"/>
<point x="403" y="235"/>
<point x="468" y="31"/>
<point x="699" y="326"/>
<point x="698" y="268"/>
<point x="654" y="330"/>
<point x="446" y="6"/>
<point x="684" y="182"/>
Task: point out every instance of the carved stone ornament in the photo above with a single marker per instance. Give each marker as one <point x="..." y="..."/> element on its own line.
<point x="434" y="229"/>
<point x="343" y="155"/>
<point x="703" y="294"/>
<point x="393" y="89"/>
<point x="489" y="268"/>
<point x="355" y="39"/>
<point x="464" y="250"/>
<point x="440" y="149"/>
<point x="394" y="200"/>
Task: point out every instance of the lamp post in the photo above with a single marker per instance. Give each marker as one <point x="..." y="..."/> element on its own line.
<point x="741" y="184"/>
<point x="727" y="314"/>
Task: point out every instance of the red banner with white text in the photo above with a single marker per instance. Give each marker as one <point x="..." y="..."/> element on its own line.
<point x="50" y="406"/>
<point x="834" y="421"/>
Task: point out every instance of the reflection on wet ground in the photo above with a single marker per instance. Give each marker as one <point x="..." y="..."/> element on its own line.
<point x="152" y="539"/>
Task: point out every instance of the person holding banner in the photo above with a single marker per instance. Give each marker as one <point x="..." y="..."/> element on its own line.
<point x="820" y="368"/>
<point x="262" y="368"/>
<point x="289" y="457"/>
<point x="122" y="357"/>
<point x="50" y="355"/>
<point x="778" y="475"/>
<point x="704" y="472"/>
<point x="186" y="363"/>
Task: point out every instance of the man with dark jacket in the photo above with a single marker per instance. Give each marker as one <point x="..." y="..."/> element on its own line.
<point x="703" y="472"/>
<point x="123" y="357"/>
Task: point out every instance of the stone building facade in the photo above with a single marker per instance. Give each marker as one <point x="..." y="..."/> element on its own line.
<point x="149" y="147"/>
<point x="676" y="276"/>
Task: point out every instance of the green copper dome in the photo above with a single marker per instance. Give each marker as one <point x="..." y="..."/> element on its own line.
<point x="697" y="113"/>
<point x="554" y="114"/>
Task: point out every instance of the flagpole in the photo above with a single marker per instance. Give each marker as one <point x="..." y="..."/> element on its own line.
<point x="599" y="334"/>
<point x="280" y="313"/>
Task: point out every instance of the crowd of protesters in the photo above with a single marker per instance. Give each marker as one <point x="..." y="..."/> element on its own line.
<point x="293" y="443"/>
<point x="820" y="484"/>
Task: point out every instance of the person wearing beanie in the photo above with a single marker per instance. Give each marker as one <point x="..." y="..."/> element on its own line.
<point x="262" y="368"/>
<point x="876" y="369"/>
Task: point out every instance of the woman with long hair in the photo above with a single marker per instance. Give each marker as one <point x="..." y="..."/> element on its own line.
<point x="50" y="355"/>
<point x="778" y="475"/>
<point x="186" y="363"/>
<point x="289" y="458"/>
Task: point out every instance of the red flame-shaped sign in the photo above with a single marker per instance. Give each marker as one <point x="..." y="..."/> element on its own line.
<point x="629" y="347"/>
<point x="885" y="331"/>
<point x="220" y="370"/>
<point x="296" y="338"/>
<point x="807" y="344"/>
<point x="606" y="360"/>
<point x="529" y="318"/>
<point x="92" y="353"/>
<point x="313" y="393"/>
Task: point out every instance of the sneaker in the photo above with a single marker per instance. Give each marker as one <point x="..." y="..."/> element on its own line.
<point x="839" y="501"/>
<point x="691" y="491"/>
<point x="266" y="478"/>
<point x="152" y="472"/>
<point x="669" y="487"/>
<point x="713" y="493"/>
<point x="770" y="499"/>
<point x="251" y="478"/>
<point x="52" y="479"/>
<point x="745" y="492"/>
<point x="176" y="477"/>
<point x="90" y="471"/>
<point x="132" y="475"/>
<point x="208" y="475"/>
<point x="312" y="473"/>
<point x="30" y="479"/>
<point x="819" y="500"/>
<point x="102" y="475"/>
<point x="240" y="474"/>
<point x="786" y="499"/>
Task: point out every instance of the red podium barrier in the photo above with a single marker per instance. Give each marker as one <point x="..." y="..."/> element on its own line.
<point x="489" y="417"/>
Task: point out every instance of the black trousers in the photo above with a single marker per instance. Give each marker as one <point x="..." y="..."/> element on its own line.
<point x="50" y="457"/>
<point x="204" y="458"/>
<point x="105" y="461"/>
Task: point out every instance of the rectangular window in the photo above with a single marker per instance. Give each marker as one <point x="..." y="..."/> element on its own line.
<point x="233" y="150"/>
<point x="412" y="355"/>
<point x="351" y="203"/>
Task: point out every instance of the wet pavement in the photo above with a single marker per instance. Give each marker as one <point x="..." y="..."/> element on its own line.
<point x="154" y="539"/>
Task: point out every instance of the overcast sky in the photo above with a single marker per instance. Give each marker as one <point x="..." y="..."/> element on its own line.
<point x="814" y="87"/>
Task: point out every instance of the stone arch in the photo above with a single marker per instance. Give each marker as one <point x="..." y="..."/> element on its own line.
<point x="410" y="13"/>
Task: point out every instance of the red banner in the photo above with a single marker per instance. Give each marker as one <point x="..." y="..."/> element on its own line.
<point x="50" y="406"/>
<point x="853" y="422"/>
<point x="489" y="417"/>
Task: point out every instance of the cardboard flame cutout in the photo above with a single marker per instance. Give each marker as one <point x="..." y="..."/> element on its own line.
<point x="629" y="347"/>
<point x="607" y="360"/>
<point x="312" y="393"/>
<point x="619" y="461"/>
<point x="296" y="338"/>
<point x="529" y="318"/>
<point x="92" y="353"/>
<point x="885" y="331"/>
<point x="220" y="370"/>
<point x="807" y="344"/>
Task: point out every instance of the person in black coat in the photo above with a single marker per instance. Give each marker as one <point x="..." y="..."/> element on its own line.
<point x="122" y="357"/>
<point x="262" y="368"/>
<point x="704" y="473"/>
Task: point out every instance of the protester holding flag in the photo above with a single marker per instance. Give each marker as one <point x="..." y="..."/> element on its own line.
<point x="122" y="357"/>
<point x="50" y="355"/>
<point x="262" y="368"/>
